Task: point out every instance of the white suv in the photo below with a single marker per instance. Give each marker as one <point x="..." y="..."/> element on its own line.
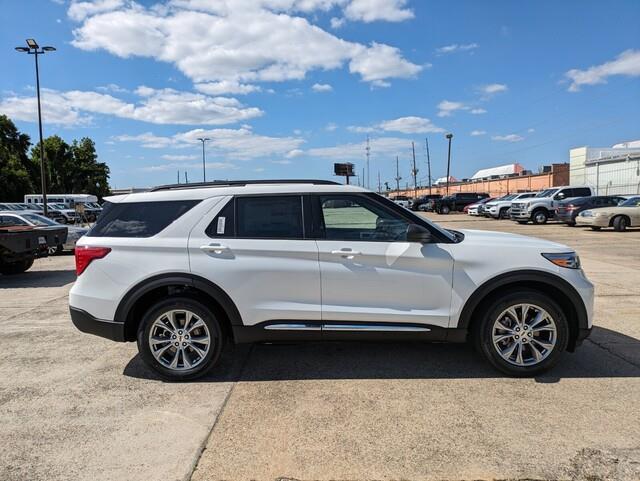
<point x="499" y="208"/>
<point x="181" y="270"/>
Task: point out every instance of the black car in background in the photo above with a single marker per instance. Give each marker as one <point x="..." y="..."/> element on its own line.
<point x="567" y="211"/>
<point x="424" y="202"/>
<point x="457" y="202"/>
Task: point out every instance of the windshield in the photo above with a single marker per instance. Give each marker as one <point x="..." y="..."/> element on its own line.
<point x="39" y="219"/>
<point x="632" y="202"/>
<point x="547" y="193"/>
<point x="508" y="197"/>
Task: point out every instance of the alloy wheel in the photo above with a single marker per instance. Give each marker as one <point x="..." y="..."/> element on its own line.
<point x="179" y="339"/>
<point x="524" y="334"/>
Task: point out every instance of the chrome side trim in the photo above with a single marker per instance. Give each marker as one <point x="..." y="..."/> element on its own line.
<point x="293" y="327"/>
<point x="373" y="328"/>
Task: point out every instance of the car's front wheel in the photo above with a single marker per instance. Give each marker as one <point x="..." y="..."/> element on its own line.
<point x="180" y="339"/>
<point x="620" y="223"/>
<point x="522" y="333"/>
<point x="445" y="209"/>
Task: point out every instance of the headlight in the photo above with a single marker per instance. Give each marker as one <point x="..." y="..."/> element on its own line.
<point x="570" y="260"/>
<point x="586" y="213"/>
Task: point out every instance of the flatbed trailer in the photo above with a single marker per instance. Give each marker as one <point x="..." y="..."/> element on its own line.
<point x="20" y="245"/>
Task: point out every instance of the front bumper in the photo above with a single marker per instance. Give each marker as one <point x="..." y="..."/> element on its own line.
<point x="599" y="221"/>
<point x="85" y="322"/>
<point x="519" y="214"/>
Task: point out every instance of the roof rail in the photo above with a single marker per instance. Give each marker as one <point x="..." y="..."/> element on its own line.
<point x="231" y="183"/>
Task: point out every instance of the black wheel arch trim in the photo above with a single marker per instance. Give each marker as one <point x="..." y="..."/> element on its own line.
<point x="501" y="280"/>
<point x="170" y="279"/>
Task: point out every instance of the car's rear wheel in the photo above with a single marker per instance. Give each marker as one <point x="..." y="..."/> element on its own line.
<point x="445" y="209"/>
<point x="620" y="223"/>
<point x="180" y="339"/>
<point x="523" y="333"/>
<point x="16" y="267"/>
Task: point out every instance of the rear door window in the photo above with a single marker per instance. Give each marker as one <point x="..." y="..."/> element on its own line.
<point x="269" y="217"/>
<point x="580" y="192"/>
<point x="138" y="219"/>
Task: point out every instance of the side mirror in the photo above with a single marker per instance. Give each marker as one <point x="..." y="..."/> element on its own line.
<point x="417" y="233"/>
<point x="560" y="196"/>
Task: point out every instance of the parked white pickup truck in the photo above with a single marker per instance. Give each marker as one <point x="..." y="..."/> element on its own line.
<point x="542" y="207"/>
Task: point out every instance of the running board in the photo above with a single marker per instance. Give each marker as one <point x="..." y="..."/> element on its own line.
<point x="345" y="327"/>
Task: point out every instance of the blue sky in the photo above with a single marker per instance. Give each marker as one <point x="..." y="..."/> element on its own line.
<point x="285" y="88"/>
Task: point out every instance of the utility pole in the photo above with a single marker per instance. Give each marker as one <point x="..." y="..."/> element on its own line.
<point x="414" y="171"/>
<point x="398" y="178"/>
<point x="204" y="169"/>
<point x="178" y="177"/>
<point x="34" y="49"/>
<point x="363" y="178"/>
<point x="368" y="150"/>
<point x="448" y="136"/>
<point x="186" y="179"/>
<point x="379" y="184"/>
<point x="428" y="163"/>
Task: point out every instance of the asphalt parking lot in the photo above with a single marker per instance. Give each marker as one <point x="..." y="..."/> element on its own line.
<point x="77" y="407"/>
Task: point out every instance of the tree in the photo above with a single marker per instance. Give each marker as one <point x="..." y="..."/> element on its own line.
<point x="90" y="176"/>
<point x="15" y="178"/>
<point x="73" y="169"/>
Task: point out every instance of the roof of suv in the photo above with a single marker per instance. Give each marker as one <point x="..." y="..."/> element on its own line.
<point x="224" y="189"/>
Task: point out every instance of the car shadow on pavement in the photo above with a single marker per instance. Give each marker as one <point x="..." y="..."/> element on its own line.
<point x="373" y="360"/>
<point x="48" y="278"/>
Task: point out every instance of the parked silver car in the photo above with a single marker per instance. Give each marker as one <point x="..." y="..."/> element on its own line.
<point x="29" y="218"/>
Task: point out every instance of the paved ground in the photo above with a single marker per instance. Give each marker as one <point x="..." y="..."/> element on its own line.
<point x="78" y="407"/>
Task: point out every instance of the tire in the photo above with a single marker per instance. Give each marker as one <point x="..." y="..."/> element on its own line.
<point x="552" y="331"/>
<point x="593" y="227"/>
<point x="620" y="223"/>
<point x="445" y="209"/>
<point x="540" y="216"/>
<point x="504" y="213"/>
<point x="571" y="224"/>
<point x="158" y="315"/>
<point x="16" y="267"/>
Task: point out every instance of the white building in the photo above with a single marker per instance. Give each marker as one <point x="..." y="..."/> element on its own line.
<point x="611" y="170"/>
<point x="501" y="170"/>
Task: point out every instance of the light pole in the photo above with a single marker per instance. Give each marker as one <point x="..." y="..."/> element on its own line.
<point x="204" y="169"/>
<point x="448" y="136"/>
<point x="34" y="49"/>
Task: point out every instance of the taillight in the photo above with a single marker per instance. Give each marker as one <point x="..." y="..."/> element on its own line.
<point x="86" y="254"/>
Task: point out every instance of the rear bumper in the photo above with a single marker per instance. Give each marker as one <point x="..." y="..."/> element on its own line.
<point x="85" y="322"/>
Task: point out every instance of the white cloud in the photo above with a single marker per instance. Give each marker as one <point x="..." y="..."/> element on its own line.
<point x="478" y="111"/>
<point x="531" y="130"/>
<point x="178" y="166"/>
<point x="627" y="63"/>
<point x="240" y="144"/>
<point x="476" y="133"/>
<point x="321" y="87"/>
<point x="243" y="41"/>
<point x="508" y="138"/>
<point x="294" y="153"/>
<point x="226" y="87"/>
<point x="381" y="147"/>
<point x="281" y="162"/>
<point x="457" y="48"/>
<point x="446" y="108"/>
<point x="163" y="106"/>
<point x="405" y="125"/>
<point x="337" y="22"/>
<point x="331" y="127"/>
<point x="410" y="125"/>
<point x="78" y="11"/>
<point x="178" y="158"/>
<point x="379" y="62"/>
<point x="491" y="89"/>
<point x="373" y="10"/>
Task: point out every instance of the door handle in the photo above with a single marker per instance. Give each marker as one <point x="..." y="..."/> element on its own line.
<point x="346" y="254"/>
<point x="215" y="248"/>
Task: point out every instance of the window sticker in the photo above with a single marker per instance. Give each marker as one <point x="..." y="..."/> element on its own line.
<point x="221" y="223"/>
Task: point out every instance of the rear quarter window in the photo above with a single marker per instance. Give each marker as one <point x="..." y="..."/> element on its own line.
<point x="138" y="219"/>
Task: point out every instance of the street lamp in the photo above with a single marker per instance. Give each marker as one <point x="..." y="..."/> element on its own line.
<point x="34" y="49"/>
<point x="204" y="169"/>
<point x="448" y="136"/>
